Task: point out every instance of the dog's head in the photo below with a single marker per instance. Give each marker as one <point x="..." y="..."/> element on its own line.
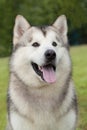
<point x="40" y="52"/>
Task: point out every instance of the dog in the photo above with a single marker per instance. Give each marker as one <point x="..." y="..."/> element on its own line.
<point x="41" y="93"/>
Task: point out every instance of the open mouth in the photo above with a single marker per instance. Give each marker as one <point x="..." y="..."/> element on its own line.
<point x="47" y="72"/>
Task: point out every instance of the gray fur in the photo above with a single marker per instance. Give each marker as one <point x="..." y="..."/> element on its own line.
<point x="33" y="103"/>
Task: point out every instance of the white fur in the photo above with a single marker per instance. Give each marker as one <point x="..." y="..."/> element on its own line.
<point x="37" y="108"/>
<point x="21" y="25"/>
<point x="44" y="122"/>
<point x="22" y="64"/>
<point x="61" y="25"/>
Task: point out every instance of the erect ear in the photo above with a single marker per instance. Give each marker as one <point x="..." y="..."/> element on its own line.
<point x="21" y="25"/>
<point x="61" y="25"/>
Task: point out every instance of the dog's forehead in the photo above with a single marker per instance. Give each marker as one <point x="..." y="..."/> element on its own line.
<point x="43" y="32"/>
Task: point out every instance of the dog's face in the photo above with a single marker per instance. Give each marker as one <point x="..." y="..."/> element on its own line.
<point x="40" y="52"/>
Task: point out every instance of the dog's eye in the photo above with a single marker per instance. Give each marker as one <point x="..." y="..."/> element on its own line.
<point x="36" y="44"/>
<point x="54" y="44"/>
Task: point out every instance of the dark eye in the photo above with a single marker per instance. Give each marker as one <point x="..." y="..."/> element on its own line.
<point x="36" y="44"/>
<point x="54" y="44"/>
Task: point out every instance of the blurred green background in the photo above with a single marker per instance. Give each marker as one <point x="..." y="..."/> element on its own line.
<point x="40" y="12"/>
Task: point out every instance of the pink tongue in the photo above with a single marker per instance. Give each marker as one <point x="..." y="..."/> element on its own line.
<point x="49" y="74"/>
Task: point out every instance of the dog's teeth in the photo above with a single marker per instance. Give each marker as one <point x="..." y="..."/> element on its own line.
<point x="40" y="68"/>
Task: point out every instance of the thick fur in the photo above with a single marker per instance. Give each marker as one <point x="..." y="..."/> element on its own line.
<point x="34" y="104"/>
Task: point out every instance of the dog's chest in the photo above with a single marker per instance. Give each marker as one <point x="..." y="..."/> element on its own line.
<point x="43" y="122"/>
<point x="40" y="122"/>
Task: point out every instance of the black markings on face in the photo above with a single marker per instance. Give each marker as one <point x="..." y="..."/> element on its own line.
<point x="43" y="30"/>
<point x="58" y="39"/>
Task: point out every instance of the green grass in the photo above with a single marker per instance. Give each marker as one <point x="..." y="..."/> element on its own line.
<point x="79" y="60"/>
<point x="3" y="89"/>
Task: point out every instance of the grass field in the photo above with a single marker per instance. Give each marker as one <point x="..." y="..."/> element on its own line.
<point x="79" y="60"/>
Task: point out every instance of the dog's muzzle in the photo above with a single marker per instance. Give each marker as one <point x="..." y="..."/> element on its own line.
<point x="47" y="71"/>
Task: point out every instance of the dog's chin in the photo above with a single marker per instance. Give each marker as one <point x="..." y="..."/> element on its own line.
<point x="47" y="72"/>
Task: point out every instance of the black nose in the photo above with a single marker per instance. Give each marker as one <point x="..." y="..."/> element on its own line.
<point x="50" y="55"/>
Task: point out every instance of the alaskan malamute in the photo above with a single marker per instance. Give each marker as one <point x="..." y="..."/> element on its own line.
<point x="41" y="94"/>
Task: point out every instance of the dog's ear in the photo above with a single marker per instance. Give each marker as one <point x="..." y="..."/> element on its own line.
<point x="21" y="25"/>
<point x="61" y="25"/>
